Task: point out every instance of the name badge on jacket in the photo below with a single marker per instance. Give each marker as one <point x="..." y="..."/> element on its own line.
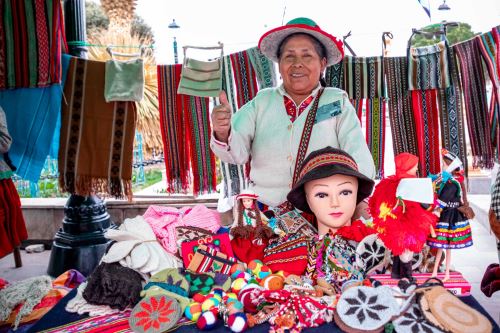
<point x="328" y="111"/>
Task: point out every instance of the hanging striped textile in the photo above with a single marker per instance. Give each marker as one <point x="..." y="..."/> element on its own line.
<point x="202" y="159"/>
<point x="428" y="67"/>
<point x="487" y="48"/>
<point x="244" y="77"/>
<point x="358" y="106"/>
<point x="264" y="68"/>
<point x="451" y="114"/>
<point x="474" y="88"/>
<point x="404" y="137"/>
<point x="173" y="132"/>
<point x="425" y="114"/>
<point x="31" y="43"/>
<point x="233" y="176"/>
<point x="334" y="75"/>
<point x="375" y="132"/>
<point x="97" y="138"/>
<point x="363" y="77"/>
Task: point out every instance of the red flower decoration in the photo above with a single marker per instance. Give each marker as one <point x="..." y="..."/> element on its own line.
<point x="155" y="313"/>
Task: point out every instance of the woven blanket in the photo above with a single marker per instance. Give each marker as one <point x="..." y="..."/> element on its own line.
<point x="233" y="176"/>
<point x="488" y="49"/>
<point x="334" y="75"/>
<point x="97" y="138"/>
<point x="375" y="132"/>
<point x="244" y="77"/>
<point x="173" y="132"/>
<point x="451" y="114"/>
<point x="425" y="114"/>
<point x="264" y="68"/>
<point x="31" y="41"/>
<point x="474" y="89"/>
<point x="404" y="137"/>
<point x="363" y="77"/>
<point x="202" y="157"/>
<point x="428" y="67"/>
<point x="33" y="117"/>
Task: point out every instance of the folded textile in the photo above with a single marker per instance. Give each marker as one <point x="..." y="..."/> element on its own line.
<point x="164" y="220"/>
<point x="97" y="138"/>
<point x="200" y="78"/>
<point x="79" y="305"/>
<point x="32" y="117"/>
<point x="428" y="67"/>
<point x="27" y="292"/>
<point x="124" y="80"/>
<point x="136" y="247"/>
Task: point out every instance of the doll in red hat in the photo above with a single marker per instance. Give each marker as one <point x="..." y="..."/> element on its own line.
<point x="403" y="225"/>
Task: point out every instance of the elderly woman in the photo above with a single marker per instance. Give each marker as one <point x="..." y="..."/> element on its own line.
<point x="272" y="129"/>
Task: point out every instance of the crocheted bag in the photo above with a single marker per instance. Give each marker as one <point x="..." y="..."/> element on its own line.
<point x="287" y="254"/>
<point x="413" y="321"/>
<point x="292" y="222"/>
<point x="447" y="312"/>
<point x="204" y="282"/>
<point x="365" y="309"/>
<point x="209" y="260"/>
<point x="371" y="254"/>
<point x="220" y="243"/>
<point x="155" y="314"/>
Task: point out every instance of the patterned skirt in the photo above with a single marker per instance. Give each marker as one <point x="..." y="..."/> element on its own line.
<point x="458" y="236"/>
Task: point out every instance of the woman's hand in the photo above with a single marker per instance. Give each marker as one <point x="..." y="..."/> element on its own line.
<point x="221" y="118"/>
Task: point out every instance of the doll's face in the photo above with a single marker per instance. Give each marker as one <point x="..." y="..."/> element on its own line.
<point x="332" y="200"/>
<point x="247" y="203"/>
<point x="413" y="171"/>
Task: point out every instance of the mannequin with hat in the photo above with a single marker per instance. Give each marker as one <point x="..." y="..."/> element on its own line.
<point x="281" y="125"/>
<point x="402" y="224"/>
<point x="453" y="228"/>
<point x="330" y="186"/>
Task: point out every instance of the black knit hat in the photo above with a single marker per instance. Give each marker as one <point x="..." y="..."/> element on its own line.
<point x="324" y="163"/>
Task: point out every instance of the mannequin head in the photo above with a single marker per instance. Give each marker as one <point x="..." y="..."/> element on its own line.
<point x="332" y="200"/>
<point x="330" y="186"/>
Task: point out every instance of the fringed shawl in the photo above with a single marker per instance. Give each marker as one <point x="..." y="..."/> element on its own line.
<point x="474" y="88"/>
<point x="97" y="138"/>
<point x="173" y="132"/>
<point x="428" y="67"/>
<point x="400" y="107"/>
<point x="244" y="77"/>
<point x="31" y="41"/>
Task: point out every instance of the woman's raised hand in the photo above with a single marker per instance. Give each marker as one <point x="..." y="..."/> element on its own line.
<point x="221" y="118"/>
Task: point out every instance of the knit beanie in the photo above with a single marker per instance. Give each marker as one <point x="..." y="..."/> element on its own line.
<point x="155" y="314"/>
<point x="27" y="292"/>
<point x="113" y="285"/>
<point x="404" y="163"/>
<point x="170" y="279"/>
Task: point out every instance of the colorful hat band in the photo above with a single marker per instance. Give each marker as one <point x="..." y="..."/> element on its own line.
<point x="328" y="159"/>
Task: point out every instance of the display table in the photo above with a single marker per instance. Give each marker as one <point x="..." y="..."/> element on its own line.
<point x="58" y="320"/>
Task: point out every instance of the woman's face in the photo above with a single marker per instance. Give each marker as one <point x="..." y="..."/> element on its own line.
<point x="332" y="200"/>
<point x="300" y="66"/>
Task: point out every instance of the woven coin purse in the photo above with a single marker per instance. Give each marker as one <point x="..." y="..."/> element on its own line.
<point x="447" y="312"/>
<point x="210" y="260"/>
<point x="220" y="243"/>
<point x="371" y="254"/>
<point x="365" y="309"/>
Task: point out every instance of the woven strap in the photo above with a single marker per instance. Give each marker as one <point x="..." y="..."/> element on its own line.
<point x="306" y="136"/>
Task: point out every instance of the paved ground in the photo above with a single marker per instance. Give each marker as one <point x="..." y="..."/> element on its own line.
<point x="472" y="261"/>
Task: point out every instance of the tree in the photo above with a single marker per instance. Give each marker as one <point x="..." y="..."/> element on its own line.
<point x="455" y="34"/>
<point x="97" y="20"/>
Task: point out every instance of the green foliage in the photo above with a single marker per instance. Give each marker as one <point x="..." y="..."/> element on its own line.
<point x="97" y="20"/>
<point x="152" y="176"/>
<point x="454" y="34"/>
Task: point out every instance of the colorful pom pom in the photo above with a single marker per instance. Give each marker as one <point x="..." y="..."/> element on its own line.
<point x="207" y="321"/>
<point x="237" y="322"/>
<point x="238" y="284"/>
<point x="193" y="311"/>
<point x="209" y="304"/>
<point x="273" y="282"/>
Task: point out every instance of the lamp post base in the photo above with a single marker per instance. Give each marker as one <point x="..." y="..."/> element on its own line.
<point x="80" y="243"/>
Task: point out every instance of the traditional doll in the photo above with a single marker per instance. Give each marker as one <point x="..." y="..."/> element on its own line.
<point x="250" y="231"/>
<point x="453" y="229"/>
<point x="402" y="225"/>
<point x="330" y="186"/>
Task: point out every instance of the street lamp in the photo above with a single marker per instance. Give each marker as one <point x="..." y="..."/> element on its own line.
<point x="444" y="6"/>
<point x="174" y="25"/>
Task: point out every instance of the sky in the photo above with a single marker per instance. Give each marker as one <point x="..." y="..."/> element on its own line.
<point x="239" y="24"/>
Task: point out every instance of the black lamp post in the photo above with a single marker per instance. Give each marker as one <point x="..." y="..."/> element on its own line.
<point x="80" y="243"/>
<point x="174" y="25"/>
